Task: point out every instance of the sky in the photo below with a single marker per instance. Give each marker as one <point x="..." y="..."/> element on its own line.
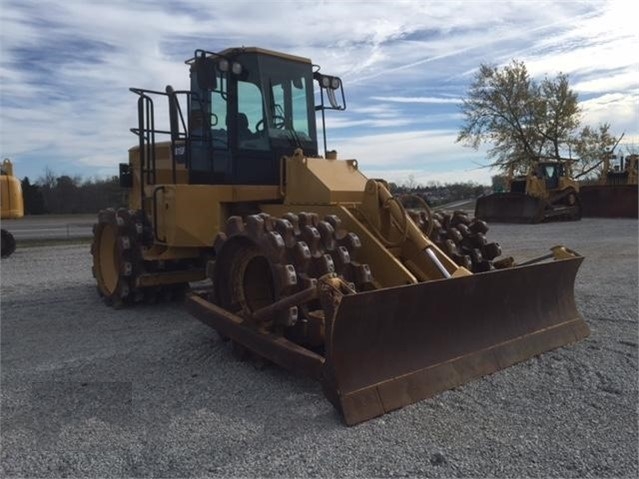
<point x="66" y="69"/>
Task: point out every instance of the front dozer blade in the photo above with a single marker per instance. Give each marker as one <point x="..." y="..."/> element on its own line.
<point x="609" y="201"/>
<point x="392" y="347"/>
<point x="509" y="208"/>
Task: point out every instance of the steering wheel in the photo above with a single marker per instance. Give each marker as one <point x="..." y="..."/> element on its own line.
<point x="278" y="122"/>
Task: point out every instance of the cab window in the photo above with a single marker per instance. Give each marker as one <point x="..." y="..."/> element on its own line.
<point x="289" y="115"/>
<point x="250" y="114"/>
<point x="300" y="108"/>
<point x="219" y="130"/>
<point x="550" y="171"/>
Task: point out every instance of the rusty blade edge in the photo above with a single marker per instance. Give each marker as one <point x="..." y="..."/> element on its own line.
<point x="479" y="352"/>
<point x="381" y="398"/>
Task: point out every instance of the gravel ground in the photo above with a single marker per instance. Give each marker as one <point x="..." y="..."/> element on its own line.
<point x="92" y="392"/>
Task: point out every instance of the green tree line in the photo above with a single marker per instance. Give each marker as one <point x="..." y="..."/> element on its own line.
<point x="52" y="194"/>
<point x="436" y="194"/>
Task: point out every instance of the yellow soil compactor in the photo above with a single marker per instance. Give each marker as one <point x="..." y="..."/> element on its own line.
<point x="546" y="192"/>
<point x="313" y="266"/>
<point x="615" y="194"/>
<point x="11" y="205"/>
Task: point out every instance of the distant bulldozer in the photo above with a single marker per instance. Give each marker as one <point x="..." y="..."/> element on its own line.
<point x="546" y="192"/>
<point x="615" y="193"/>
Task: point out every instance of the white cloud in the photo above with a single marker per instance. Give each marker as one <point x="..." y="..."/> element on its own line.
<point x="618" y="109"/>
<point x="383" y="149"/>
<point x="424" y="176"/>
<point x="413" y="99"/>
<point x="623" y="81"/>
<point x="428" y="155"/>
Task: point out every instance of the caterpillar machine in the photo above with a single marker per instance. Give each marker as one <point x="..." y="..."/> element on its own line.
<point x="546" y="192"/>
<point x="313" y="266"/>
<point x="12" y="204"/>
<point x="615" y="193"/>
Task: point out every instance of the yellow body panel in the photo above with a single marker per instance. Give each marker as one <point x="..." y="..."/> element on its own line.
<point x="192" y="215"/>
<point x="537" y="186"/>
<point x="163" y="170"/>
<point x="187" y="218"/>
<point x="566" y="182"/>
<point x="317" y="181"/>
<point x="392" y="244"/>
<point x="11" y="200"/>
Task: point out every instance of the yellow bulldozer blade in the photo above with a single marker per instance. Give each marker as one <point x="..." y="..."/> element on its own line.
<point x="510" y="208"/>
<point x="391" y="347"/>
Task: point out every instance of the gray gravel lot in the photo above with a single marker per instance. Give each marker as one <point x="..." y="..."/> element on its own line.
<point x="88" y="391"/>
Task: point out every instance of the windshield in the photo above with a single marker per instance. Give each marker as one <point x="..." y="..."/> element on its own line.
<point x="275" y="108"/>
<point x="290" y="108"/>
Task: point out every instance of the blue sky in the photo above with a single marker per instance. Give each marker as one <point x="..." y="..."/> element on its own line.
<point x="66" y="68"/>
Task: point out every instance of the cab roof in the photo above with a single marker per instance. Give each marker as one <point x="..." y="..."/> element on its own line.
<point x="264" y="51"/>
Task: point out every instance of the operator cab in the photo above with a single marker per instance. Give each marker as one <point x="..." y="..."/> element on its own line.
<point x="246" y="108"/>
<point x="261" y="107"/>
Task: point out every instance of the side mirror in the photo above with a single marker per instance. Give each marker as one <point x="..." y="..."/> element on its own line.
<point x="205" y="71"/>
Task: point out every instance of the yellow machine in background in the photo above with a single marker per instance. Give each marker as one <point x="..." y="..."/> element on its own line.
<point x="313" y="266"/>
<point x="12" y="205"/>
<point x="547" y="191"/>
<point x="615" y="194"/>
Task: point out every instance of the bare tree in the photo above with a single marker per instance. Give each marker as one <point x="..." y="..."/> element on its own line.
<point x="522" y="119"/>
